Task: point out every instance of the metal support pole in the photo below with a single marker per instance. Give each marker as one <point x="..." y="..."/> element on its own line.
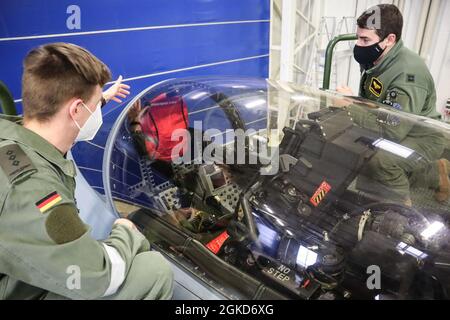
<point x="329" y="56"/>
<point x="288" y="24"/>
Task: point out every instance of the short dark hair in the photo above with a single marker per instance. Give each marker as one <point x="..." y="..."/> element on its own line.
<point x="54" y="74"/>
<point x="391" y="20"/>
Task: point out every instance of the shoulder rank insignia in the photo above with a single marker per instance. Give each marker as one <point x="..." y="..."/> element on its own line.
<point x="48" y="201"/>
<point x="376" y="87"/>
<point x="14" y="162"/>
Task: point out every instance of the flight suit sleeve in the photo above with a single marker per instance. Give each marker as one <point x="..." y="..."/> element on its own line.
<point x="387" y="121"/>
<point x="45" y="244"/>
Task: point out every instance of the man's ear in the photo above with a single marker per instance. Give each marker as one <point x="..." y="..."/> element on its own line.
<point x="391" y="40"/>
<point x="75" y="106"/>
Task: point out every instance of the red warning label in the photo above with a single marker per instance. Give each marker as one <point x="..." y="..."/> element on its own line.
<point x="320" y="193"/>
<point x="217" y="243"/>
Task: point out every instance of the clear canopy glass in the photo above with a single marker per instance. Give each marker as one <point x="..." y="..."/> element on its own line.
<point x="271" y="190"/>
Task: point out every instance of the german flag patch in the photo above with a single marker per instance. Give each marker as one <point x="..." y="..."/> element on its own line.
<point x="48" y="202"/>
<point x="320" y="193"/>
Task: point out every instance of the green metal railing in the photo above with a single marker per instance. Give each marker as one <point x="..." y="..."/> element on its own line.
<point x="329" y="56"/>
<point x="7" y="105"/>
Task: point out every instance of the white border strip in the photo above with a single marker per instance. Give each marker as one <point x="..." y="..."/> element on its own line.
<point x="72" y="34"/>
<point x="93" y="144"/>
<point x="117" y="271"/>
<point x="203" y="110"/>
<point x="100" y="171"/>
<point x="89" y="169"/>
<point x="194" y="67"/>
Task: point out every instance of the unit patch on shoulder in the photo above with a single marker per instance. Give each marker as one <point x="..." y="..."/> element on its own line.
<point x="48" y="201"/>
<point x="410" y="78"/>
<point x="376" y="87"/>
<point x="320" y="194"/>
<point x="63" y="224"/>
<point x="14" y="162"/>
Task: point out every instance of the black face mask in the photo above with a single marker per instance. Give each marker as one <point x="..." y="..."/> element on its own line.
<point x="366" y="56"/>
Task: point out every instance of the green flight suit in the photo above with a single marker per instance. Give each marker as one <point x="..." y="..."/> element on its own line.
<point x="46" y="251"/>
<point x="403" y="82"/>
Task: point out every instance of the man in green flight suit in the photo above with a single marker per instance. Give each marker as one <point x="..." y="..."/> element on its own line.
<point x="395" y="76"/>
<point x="46" y="251"/>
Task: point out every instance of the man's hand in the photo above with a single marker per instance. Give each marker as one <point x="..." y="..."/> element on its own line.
<point x="344" y="90"/>
<point x="134" y="111"/>
<point x="116" y="91"/>
<point x="341" y="103"/>
<point x="133" y="116"/>
<point x="127" y="223"/>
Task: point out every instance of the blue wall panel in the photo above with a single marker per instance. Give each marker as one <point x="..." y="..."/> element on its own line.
<point x="138" y="53"/>
<point x="146" y="41"/>
<point x="19" y="18"/>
